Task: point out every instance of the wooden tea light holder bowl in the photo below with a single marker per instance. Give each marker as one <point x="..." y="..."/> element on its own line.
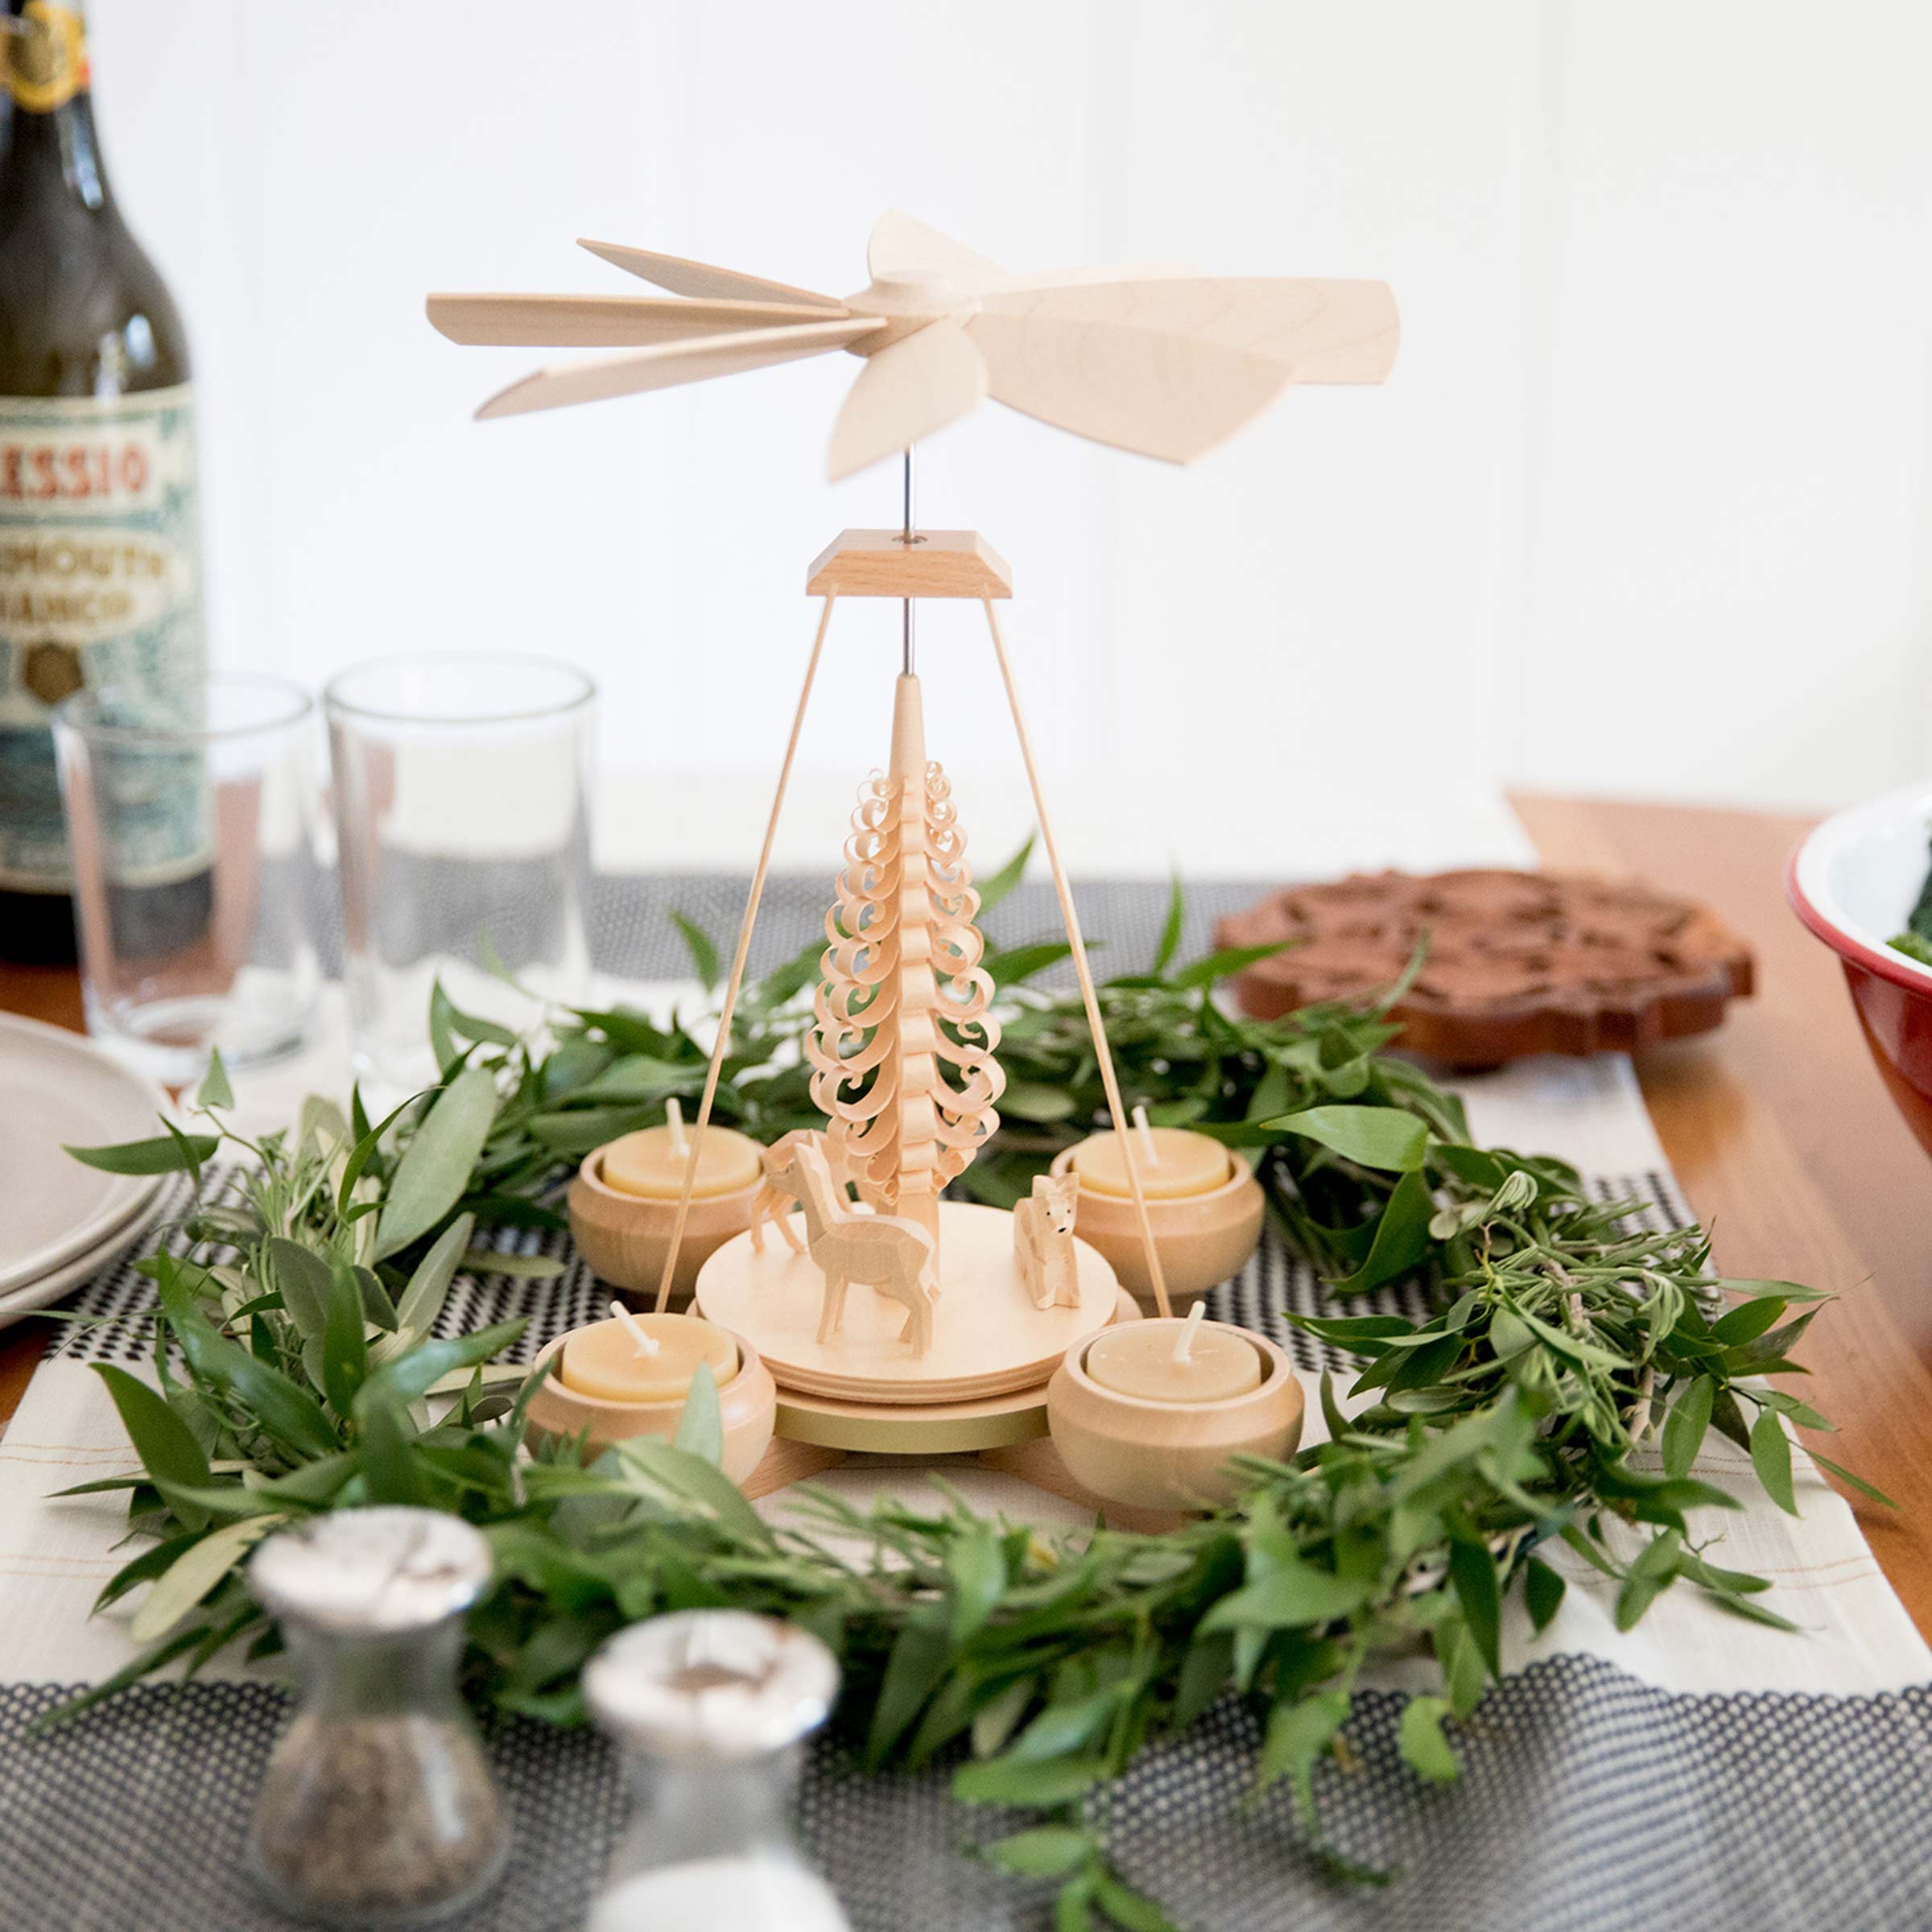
<point x="624" y="1235"/>
<point x="747" y="1398"/>
<point x="1157" y="1454"/>
<point x="1203" y="1237"/>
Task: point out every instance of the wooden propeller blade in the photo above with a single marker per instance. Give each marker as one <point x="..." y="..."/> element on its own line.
<point x="1170" y="368"/>
<point x="907" y="390"/>
<point x="1157" y="396"/>
<point x="900" y="246"/>
<point x="1125" y="271"/>
<point x="700" y="279"/>
<point x="1326" y="331"/>
<point x="600" y="321"/>
<point x="670" y="364"/>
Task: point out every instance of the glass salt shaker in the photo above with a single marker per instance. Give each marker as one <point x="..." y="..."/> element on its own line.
<point x="707" y="1709"/>
<point x="379" y="1807"/>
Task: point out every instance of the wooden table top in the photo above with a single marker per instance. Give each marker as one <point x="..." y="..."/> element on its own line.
<point x="1789" y="1149"/>
<point x="1783" y="1138"/>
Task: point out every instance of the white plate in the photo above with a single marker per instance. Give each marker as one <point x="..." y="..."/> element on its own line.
<point x="58" y="1087"/>
<point x="70" y="1275"/>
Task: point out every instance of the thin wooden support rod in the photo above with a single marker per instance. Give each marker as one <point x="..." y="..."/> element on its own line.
<point x="1122" y="1126"/>
<point x="722" y="1045"/>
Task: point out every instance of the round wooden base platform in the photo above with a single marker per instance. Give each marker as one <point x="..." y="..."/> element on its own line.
<point x="988" y="1339"/>
<point x="903" y="1428"/>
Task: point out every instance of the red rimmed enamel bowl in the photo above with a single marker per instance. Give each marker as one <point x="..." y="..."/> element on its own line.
<point x="1854" y="882"/>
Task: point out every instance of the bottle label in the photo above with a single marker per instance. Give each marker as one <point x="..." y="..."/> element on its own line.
<point x="100" y="587"/>
<point x="46" y="56"/>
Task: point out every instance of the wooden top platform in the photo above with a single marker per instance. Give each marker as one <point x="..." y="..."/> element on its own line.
<point x="935" y="563"/>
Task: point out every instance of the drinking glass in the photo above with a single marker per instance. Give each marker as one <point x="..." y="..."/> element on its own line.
<point x="196" y="877"/>
<point x="462" y="784"/>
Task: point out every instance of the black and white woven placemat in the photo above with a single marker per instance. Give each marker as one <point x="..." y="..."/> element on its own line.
<point x="1591" y="1802"/>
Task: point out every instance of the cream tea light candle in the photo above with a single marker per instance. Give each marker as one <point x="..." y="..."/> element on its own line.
<point x="1174" y="1163"/>
<point x="622" y="1411"/>
<point x="1204" y="1205"/>
<point x="604" y="1361"/>
<point x="1174" y="1361"/>
<point x="650" y="1163"/>
<point x="624" y="1201"/>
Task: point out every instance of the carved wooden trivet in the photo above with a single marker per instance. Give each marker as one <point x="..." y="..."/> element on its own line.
<point x="1518" y="962"/>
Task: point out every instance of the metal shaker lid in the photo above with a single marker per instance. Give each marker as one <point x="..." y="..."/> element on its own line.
<point x="712" y="1684"/>
<point x="381" y="1569"/>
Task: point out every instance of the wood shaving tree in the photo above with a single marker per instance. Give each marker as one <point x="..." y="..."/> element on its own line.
<point x="903" y="1050"/>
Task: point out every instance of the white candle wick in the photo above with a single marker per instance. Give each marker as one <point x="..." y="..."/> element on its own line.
<point x="1150" y="1151"/>
<point x="673" y="1119"/>
<point x="647" y="1343"/>
<point x="1183" y="1347"/>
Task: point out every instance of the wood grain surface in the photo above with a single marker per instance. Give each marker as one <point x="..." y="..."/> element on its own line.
<point x="1777" y="1126"/>
<point x="879" y="564"/>
<point x="1789" y="1149"/>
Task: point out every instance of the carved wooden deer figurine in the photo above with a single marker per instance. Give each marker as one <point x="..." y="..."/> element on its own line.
<point x="1042" y="1241"/>
<point x="774" y="1203"/>
<point x="882" y="1251"/>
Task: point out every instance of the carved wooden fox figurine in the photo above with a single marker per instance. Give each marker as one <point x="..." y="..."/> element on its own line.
<point x="1042" y="1241"/>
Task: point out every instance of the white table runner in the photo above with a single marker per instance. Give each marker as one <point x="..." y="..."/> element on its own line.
<point x="55" y="1555"/>
<point x="1696" y="1770"/>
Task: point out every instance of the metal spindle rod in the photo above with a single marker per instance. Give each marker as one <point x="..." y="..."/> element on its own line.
<point x="905" y="538"/>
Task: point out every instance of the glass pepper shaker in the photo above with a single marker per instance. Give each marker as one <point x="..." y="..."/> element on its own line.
<point x="708" y="1709"/>
<point x="379" y="1807"/>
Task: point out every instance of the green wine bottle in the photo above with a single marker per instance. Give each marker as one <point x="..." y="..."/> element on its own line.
<point x="100" y="565"/>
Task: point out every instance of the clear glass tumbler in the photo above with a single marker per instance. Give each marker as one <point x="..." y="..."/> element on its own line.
<point x="197" y="875"/>
<point x="462" y="797"/>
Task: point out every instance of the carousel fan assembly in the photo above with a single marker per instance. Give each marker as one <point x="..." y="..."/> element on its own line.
<point x="1163" y="362"/>
<point x="908" y="1320"/>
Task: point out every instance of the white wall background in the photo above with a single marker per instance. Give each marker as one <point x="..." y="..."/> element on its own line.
<point x="1644" y="509"/>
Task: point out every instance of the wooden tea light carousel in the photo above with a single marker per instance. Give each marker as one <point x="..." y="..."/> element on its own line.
<point x="904" y="1322"/>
